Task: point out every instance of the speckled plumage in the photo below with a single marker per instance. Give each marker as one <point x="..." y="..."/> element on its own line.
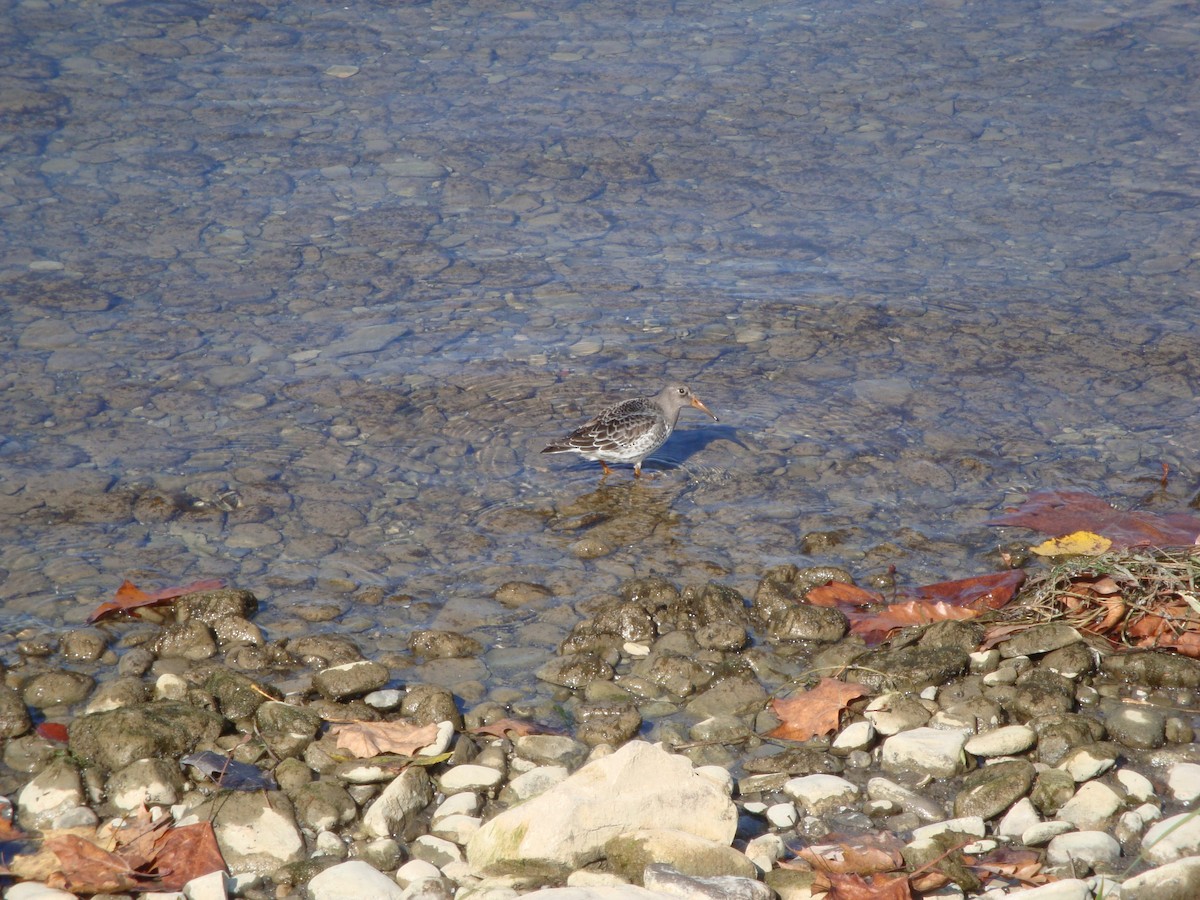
<point x="629" y="431"/>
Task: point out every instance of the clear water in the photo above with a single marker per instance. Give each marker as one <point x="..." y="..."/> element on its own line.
<point x="293" y="294"/>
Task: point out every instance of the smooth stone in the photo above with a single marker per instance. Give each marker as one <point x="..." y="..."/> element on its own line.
<point x="456" y="829"/>
<point x="1093" y="808"/>
<point x="145" y="782"/>
<point x="972" y="825"/>
<point x="464" y="804"/>
<point x="1008" y="740"/>
<point x="1095" y="849"/>
<point x="551" y="750"/>
<point x="855" y="736"/>
<point x="893" y="713"/>
<point x="406" y="795"/>
<point x="819" y="794"/>
<point x="436" y="850"/>
<point x="350" y="680"/>
<point x="925" y="751"/>
<point x="1183" y="781"/>
<point x="989" y="791"/>
<point x="34" y="890"/>
<point x="1136" y="785"/>
<point x="206" y="887"/>
<point x="1179" y="880"/>
<point x="417" y="870"/>
<point x="469" y="778"/>
<point x="256" y="831"/>
<point x="529" y="784"/>
<point x="1020" y="817"/>
<point x="1039" y="639"/>
<point x="1172" y="839"/>
<point x="782" y="815"/>
<point x="1067" y="889"/>
<point x="1089" y="761"/>
<point x="884" y="789"/>
<point x="1044" y="833"/>
<point x="1139" y="727"/>
<point x="638" y="786"/>
<point x="353" y="880"/>
<point x="51" y="793"/>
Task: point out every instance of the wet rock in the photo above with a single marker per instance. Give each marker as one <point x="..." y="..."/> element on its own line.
<point x="726" y="636"/>
<point x="1139" y="727"/>
<point x="428" y="704"/>
<point x="1058" y="735"/>
<point x="1051" y="789"/>
<point x="515" y="594"/>
<point x="679" y="675"/>
<point x="350" y="680"/>
<point x="234" y="630"/>
<point x="286" y="729"/>
<point x="575" y="671"/>
<point x="699" y="607"/>
<point x="392" y="811"/>
<point x="114" y="739"/>
<point x="607" y="722"/>
<point x="926" y="751"/>
<point x="122" y="691"/>
<point x="804" y="622"/>
<point x="629" y="854"/>
<point x="1041" y="693"/>
<point x="1086" y="762"/>
<point x="925" y="809"/>
<point x="1179" y="880"/>
<point x="323" y="805"/>
<point x="145" y="782"/>
<point x="57" y="688"/>
<point x="256" y="830"/>
<point x="638" y="786"/>
<point x="237" y="696"/>
<point x="550" y="750"/>
<point x="893" y="713"/>
<point x="1039" y="639"/>
<point x="84" y="644"/>
<point x="989" y="791"/>
<point x="14" y="715"/>
<point x="353" y="880"/>
<point x="325" y="650"/>
<point x="212" y="606"/>
<point x="192" y="640"/>
<point x="1153" y="670"/>
<point x="910" y="668"/>
<point x="433" y="644"/>
<point x="1070" y="661"/>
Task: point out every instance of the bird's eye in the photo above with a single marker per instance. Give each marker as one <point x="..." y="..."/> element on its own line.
<point x="682" y="391"/>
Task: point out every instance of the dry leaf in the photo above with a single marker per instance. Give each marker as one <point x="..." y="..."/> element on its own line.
<point x="990" y="591"/>
<point x="130" y="597"/>
<point x="504" y="727"/>
<point x="877" y="624"/>
<point x="185" y="853"/>
<point x="1078" y="543"/>
<point x="85" y="868"/>
<point x="1062" y="512"/>
<point x="367" y="739"/>
<point x="814" y="712"/>
<point x="877" y="887"/>
<point x="867" y="854"/>
<point x="841" y="594"/>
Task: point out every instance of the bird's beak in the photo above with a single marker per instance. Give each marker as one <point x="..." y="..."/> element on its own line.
<point x="700" y="406"/>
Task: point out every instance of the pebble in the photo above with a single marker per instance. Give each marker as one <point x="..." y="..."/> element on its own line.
<point x="1183" y="781"/>
<point x="927" y="751"/>
<point x="820" y="794"/>
<point x="353" y="880"/>
<point x="1008" y="740"/>
<point x="1093" y="849"/>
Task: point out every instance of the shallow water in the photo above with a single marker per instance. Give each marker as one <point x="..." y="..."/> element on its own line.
<point x="295" y="293"/>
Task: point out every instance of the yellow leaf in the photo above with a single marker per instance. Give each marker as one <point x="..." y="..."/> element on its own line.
<point x="1079" y="543"/>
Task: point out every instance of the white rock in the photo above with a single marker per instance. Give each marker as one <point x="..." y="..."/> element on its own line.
<point x="436" y="850"/>
<point x="1173" y="838"/>
<point x="388" y="698"/>
<point x="820" y="794"/>
<point x="1179" y="880"/>
<point x="534" y="782"/>
<point x="1082" y="765"/>
<point x="886" y="790"/>
<point x="1044" y="832"/>
<point x="469" y="778"/>
<point x="765" y="850"/>
<point x="458" y="829"/>
<point x="926" y="751"/>
<point x="206" y="887"/>
<point x="965" y="825"/>
<point x="1094" y="807"/>
<point x="638" y="786"/>
<point x="1183" y="781"/>
<point x="1148" y="812"/>
<point x="1129" y="827"/>
<point x="1136" y="785"/>
<point x="35" y="890"/>
<point x="170" y="687"/>
<point x="416" y="870"/>
<point x="1092" y="848"/>
<point x="257" y="832"/>
<point x="718" y="775"/>
<point x="782" y="815"/>
<point x="893" y="713"/>
<point x="984" y="661"/>
<point x="462" y="804"/>
<point x="445" y="732"/>
<point x="635" y="650"/>
<point x="408" y="794"/>
<point x="855" y="736"/>
<point x="1006" y="741"/>
<point x="329" y="844"/>
<point x="1020" y="817"/>
<point x="1067" y="889"/>
<point x="584" y="878"/>
<point x="353" y="880"/>
<point x="623" y="892"/>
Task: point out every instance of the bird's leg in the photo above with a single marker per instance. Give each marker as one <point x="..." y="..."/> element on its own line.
<point x="637" y="470"/>
<point x="604" y="466"/>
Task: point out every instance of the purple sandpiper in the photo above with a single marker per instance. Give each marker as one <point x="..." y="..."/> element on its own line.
<point x="631" y="430"/>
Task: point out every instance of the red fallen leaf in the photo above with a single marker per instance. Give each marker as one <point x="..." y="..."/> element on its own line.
<point x="814" y="712"/>
<point x="865" y="854"/>
<point x="53" y="731"/>
<point x="983" y="591"/>
<point x="1064" y="512"/>
<point x="839" y="593"/>
<point x="185" y="853"/>
<point x="876" y="624"/>
<point x="130" y="597"/>
<point x="877" y="887"/>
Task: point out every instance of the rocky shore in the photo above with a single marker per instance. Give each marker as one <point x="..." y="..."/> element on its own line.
<point x="649" y="772"/>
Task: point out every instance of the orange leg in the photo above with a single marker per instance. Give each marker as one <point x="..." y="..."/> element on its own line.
<point x="604" y="465"/>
